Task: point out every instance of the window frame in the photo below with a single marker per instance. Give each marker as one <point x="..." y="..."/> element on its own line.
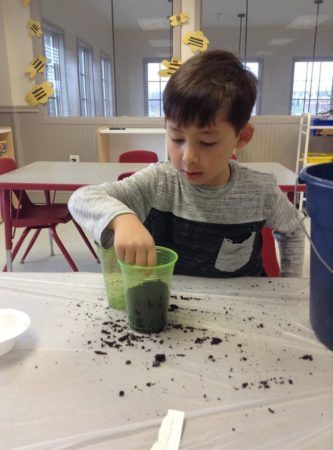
<point x="260" y="63"/>
<point x="88" y="75"/>
<point x="307" y="60"/>
<point x="60" y="96"/>
<point x="107" y="105"/>
<point x="147" y="61"/>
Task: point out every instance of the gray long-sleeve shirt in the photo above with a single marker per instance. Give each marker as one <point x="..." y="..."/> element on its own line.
<point x="216" y="230"/>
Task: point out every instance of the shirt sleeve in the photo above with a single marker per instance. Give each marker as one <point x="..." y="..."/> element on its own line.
<point x="285" y="220"/>
<point x="95" y="206"/>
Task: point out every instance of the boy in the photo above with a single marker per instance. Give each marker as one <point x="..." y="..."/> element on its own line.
<point x="202" y="204"/>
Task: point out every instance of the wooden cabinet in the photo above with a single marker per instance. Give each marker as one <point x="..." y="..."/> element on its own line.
<point x="6" y="143"/>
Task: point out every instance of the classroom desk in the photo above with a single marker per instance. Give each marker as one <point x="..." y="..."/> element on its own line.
<point x="241" y="361"/>
<point x="66" y="176"/>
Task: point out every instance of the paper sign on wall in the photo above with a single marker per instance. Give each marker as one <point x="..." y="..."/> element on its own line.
<point x="196" y="40"/>
<point x="178" y="19"/>
<point x="35" y="28"/>
<point x="171" y="67"/>
<point x="39" y="93"/>
<point x="36" y="66"/>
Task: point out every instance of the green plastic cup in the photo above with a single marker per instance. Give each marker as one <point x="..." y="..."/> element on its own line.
<point x="147" y="292"/>
<point x="113" y="280"/>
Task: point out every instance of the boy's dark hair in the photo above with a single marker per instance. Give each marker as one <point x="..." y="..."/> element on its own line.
<point x="206" y="85"/>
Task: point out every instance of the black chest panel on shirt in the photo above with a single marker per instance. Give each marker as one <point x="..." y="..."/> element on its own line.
<point x="209" y="249"/>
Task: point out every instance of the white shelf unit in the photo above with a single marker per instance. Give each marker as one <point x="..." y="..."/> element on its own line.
<point x="110" y="139"/>
<point x="303" y="144"/>
<point x="6" y="139"/>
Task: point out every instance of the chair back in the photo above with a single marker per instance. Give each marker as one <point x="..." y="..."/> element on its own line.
<point x="7" y="165"/>
<point x="138" y="156"/>
<point x="270" y="261"/>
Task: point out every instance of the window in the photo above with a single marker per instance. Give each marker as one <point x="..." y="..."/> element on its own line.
<point x="256" y="68"/>
<point x="85" y="67"/>
<point x="55" y="69"/>
<point x="106" y="84"/>
<point x="312" y="87"/>
<point x="153" y="87"/>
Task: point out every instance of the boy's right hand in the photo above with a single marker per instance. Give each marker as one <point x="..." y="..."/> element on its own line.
<point x="132" y="241"/>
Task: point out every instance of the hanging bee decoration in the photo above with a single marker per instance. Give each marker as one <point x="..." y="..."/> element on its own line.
<point x="25" y="2"/>
<point x="171" y="67"/>
<point x="196" y="40"/>
<point x="36" y="66"/>
<point x="35" y="28"/>
<point x="178" y="19"/>
<point x="39" y="94"/>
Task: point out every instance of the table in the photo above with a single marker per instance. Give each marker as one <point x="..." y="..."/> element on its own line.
<point x="241" y="361"/>
<point x="66" y="176"/>
<point x="58" y="176"/>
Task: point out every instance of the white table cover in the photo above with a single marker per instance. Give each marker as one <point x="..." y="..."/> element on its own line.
<point x="241" y="361"/>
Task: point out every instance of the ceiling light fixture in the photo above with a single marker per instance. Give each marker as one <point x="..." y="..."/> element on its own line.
<point x="318" y="3"/>
<point x="241" y="17"/>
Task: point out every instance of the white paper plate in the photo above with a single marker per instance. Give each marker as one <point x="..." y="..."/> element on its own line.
<point x="12" y="324"/>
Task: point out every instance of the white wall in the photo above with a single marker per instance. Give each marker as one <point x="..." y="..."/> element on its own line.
<point x="16" y="53"/>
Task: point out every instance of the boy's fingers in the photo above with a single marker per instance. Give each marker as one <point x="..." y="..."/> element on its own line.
<point x="120" y="254"/>
<point x="130" y="256"/>
<point x="141" y="258"/>
<point x="151" y="257"/>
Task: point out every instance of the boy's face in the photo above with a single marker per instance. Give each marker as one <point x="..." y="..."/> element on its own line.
<point x="202" y="155"/>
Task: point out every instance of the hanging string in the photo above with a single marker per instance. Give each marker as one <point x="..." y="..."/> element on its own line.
<point x="316" y="2"/>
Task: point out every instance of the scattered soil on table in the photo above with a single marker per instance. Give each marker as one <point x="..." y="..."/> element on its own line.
<point x="116" y="336"/>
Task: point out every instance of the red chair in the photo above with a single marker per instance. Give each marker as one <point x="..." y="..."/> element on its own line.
<point x="270" y="261"/>
<point x="30" y="216"/>
<point x="138" y="156"/>
<point x="124" y="175"/>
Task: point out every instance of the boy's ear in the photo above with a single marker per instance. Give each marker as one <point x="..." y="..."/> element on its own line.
<point x="245" y="135"/>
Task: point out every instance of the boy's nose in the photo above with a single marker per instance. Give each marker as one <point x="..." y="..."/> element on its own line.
<point x="190" y="155"/>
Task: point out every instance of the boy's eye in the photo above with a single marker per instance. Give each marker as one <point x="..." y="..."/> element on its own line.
<point x="177" y="141"/>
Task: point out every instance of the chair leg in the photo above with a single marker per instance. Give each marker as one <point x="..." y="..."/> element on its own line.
<point x="33" y="240"/>
<point x="63" y="249"/>
<point x="18" y="245"/>
<point x="84" y="237"/>
<point x="51" y="244"/>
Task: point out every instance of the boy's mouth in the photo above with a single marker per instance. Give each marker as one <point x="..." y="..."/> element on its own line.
<point x="190" y="175"/>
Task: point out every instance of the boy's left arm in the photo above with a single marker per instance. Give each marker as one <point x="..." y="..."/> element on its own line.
<point x="284" y="219"/>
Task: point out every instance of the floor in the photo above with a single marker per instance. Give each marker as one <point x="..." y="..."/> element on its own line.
<point x="39" y="259"/>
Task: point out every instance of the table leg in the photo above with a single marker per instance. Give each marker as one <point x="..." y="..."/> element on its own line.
<point x="7" y="222"/>
<point x="103" y="147"/>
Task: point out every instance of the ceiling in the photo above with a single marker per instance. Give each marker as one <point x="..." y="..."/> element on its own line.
<point x="216" y="13"/>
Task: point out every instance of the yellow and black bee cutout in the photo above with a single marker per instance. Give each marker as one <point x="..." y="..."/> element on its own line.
<point x="171" y="67"/>
<point x="36" y="66"/>
<point x="35" y="28"/>
<point x="178" y="19"/>
<point x="196" y="40"/>
<point x="25" y="2"/>
<point x="39" y="93"/>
